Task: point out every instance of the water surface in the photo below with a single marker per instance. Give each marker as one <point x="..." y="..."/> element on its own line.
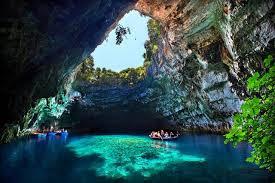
<point x="127" y="158"/>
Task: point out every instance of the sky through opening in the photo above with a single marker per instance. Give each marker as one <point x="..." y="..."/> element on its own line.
<point x="129" y="54"/>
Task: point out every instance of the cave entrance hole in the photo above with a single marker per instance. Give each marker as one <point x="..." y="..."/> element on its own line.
<point x="124" y="46"/>
<point x="113" y="79"/>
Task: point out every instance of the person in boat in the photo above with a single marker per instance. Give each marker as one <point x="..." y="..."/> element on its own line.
<point x="162" y="133"/>
<point x="178" y="133"/>
<point x="159" y="135"/>
<point x="43" y="129"/>
<point x="171" y="134"/>
<point x="166" y="135"/>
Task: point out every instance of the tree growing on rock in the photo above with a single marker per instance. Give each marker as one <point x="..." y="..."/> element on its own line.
<point x="255" y="123"/>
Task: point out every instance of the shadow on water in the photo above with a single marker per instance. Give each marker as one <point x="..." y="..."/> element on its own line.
<point x="46" y="160"/>
<point x="127" y="158"/>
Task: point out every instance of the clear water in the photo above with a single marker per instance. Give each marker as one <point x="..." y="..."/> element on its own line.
<point x="127" y="158"/>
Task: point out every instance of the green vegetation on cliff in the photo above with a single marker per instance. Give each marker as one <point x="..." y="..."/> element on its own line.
<point x="129" y="76"/>
<point x="151" y="45"/>
<point x="255" y="123"/>
<point x="98" y="76"/>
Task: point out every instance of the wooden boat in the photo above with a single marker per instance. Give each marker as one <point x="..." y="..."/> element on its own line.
<point x="38" y="134"/>
<point x="165" y="138"/>
<point x="46" y="134"/>
<point x="62" y="133"/>
<point x="51" y="133"/>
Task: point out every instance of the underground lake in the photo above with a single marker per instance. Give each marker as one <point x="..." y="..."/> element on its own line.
<point x="127" y="158"/>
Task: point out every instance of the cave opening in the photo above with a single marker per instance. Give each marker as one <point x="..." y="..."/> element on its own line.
<point x="108" y="92"/>
<point x="123" y="47"/>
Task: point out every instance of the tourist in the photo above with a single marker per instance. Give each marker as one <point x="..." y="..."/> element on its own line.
<point x="43" y="129"/>
<point x="171" y="134"/>
<point x="159" y="135"/>
<point x="162" y="133"/>
<point x="166" y="135"/>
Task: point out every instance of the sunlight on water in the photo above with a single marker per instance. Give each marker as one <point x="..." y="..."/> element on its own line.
<point x="125" y="155"/>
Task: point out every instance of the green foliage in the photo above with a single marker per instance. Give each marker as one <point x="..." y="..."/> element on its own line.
<point x="151" y="45"/>
<point x="120" y="33"/>
<point x="103" y="76"/>
<point x="255" y="123"/>
<point x="86" y="69"/>
<point x="154" y="29"/>
<point x="132" y="75"/>
<point x="129" y="76"/>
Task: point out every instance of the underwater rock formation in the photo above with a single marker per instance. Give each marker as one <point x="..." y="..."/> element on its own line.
<point x="206" y="50"/>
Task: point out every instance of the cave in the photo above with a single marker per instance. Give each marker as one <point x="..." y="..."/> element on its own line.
<point x="112" y="83"/>
<point x="197" y="60"/>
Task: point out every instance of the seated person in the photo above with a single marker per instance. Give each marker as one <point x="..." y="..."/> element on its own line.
<point x="162" y="133"/>
<point x="159" y="135"/>
<point x="166" y="134"/>
<point x="171" y="134"/>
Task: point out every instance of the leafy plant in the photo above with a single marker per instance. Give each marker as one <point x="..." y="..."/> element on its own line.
<point x="151" y="45"/>
<point x="255" y="123"/>
<point x="98" y="76"/>
<point x="120" y="33"/>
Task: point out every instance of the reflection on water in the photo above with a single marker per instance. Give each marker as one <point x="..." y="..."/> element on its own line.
<point x="126" y="158"/>
<point x="126" y="155"/>
<point x="163" y="144"/>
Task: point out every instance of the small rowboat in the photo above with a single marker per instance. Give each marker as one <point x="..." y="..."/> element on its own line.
<point x="39" y="134"/>
<point x="62" y="133"/>
<point x="165" y="138"/>
<point x="51" y="133"/>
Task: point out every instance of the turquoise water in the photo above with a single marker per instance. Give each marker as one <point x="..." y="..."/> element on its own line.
<point x="127" y="158"/>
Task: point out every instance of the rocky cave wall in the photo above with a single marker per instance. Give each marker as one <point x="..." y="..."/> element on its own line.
<point x="111" y="108"/>
<point x="203" y="61"/>
<point x="207" y="50"/>
<point x="43" y="41"/>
